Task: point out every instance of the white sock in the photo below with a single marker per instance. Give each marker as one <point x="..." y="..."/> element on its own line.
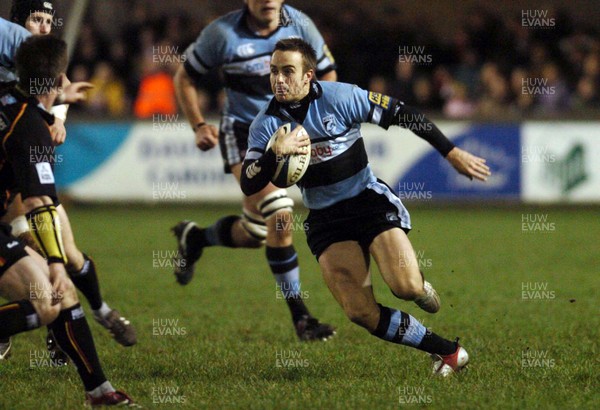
<point x="103" y="311"/>
<point x="104" y="388"/>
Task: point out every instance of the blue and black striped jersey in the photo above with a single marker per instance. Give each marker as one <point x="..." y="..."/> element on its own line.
<point x="244" y="57"/>
<point x="339" y="168"/>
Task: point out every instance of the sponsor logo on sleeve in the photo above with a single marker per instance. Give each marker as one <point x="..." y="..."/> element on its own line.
<point x="378" y="99"/>
<point x="252" y="170"/>
<point x="44" y="171"/>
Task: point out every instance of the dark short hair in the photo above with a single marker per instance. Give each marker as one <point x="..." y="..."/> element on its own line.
<point x="309" y="56"/>
<point x="41" y="59"/>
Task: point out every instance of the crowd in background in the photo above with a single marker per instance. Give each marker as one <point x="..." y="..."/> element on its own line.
<point x="489" y="68"/>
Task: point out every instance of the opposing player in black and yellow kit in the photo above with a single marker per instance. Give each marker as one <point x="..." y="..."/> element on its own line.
<point x="36" y="17"/>
<point x="41" y="292"/>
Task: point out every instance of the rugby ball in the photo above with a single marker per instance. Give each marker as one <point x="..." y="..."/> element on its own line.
<point x="290" y="168"/>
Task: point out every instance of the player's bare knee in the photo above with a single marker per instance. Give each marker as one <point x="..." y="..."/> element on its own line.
<point x="75" y="258"/>
<point x="69" y="297"/>
<point x="281" y="227"/>
<point x="46" y="311"/>
<point x="409" y="289"/>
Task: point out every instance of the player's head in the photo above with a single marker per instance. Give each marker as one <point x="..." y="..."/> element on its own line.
<point x="264" y="11"/>
<point x="40" y="63"/>
<point x="293" y="66"/>
<point x="35" y="15"/>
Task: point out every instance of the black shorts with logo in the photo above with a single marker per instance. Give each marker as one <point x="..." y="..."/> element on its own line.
<point x="358" y="219"/>
<point x="11" y="249"/>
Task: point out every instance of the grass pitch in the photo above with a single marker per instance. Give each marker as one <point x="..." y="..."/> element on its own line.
<point x="522" y="298"/>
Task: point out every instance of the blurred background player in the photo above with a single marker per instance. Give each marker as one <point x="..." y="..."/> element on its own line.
<point x="240" y="44"/>
<point x="37" y="17"/>
<point x="53" y="301"/>
<point x="353" y="214"/>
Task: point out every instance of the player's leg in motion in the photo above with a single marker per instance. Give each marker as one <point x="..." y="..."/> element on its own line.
<point x="82" y="271"/>
<point x="276" y="209"/>
<point x="345" y="272"/>
<point x="266" y="218"/>
<point x="66" y="319"/>
<point x="398" y="264"/>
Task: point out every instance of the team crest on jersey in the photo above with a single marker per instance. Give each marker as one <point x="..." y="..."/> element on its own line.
<point x="246" y="50"/>
<point x="329" y="122"/>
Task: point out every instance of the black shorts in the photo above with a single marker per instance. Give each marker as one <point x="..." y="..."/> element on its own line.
<point x="358" y="219"/>
<point x="11" y="249"/>
<point x="233" y="142"/>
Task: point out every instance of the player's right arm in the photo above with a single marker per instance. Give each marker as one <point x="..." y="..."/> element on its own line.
<point x="187" y="97"/>
<point x="205" y="54"/>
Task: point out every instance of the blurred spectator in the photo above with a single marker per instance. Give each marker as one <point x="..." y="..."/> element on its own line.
<point x="402" y="86"/>
<point x="423" y="92"/>
<point x="156" y="94"/>
<point x="466" y="71"/>
<point x="442" y="82"/>
<point x="494" y="92"/>
<point x="591" y="66"/>
<point x="378" y="84"/>
<point x="586" y="94"/>
<point x="522" y="102"/>
<point x="551" y="93"/>
<point x="459" y="106"/>
<point x="482" y="69"/>
<point x="108" y="94"/>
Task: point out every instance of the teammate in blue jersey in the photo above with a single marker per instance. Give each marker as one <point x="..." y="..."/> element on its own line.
<point x="240" y="44"/>
<point x="352" y="214"/>
<point x="11" y="36"/>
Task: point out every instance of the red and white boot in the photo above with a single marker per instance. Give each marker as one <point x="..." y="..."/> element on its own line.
<point x="451" y="363"/>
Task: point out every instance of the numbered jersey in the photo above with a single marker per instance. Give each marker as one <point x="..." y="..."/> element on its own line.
<point x="245" y="57"/>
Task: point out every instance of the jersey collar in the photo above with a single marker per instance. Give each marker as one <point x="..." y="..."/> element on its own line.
<point x="23" y="96"/>
<point x="280" y="110"/>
